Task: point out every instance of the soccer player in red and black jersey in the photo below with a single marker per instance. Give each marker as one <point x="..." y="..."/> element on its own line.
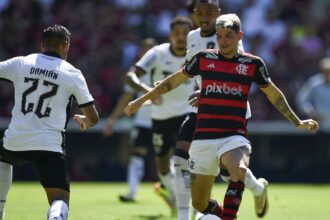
<point x="220" y="134"/>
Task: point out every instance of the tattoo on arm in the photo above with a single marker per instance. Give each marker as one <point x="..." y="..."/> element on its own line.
<point x="282" y="105"/>
<point x="165" y="87"/>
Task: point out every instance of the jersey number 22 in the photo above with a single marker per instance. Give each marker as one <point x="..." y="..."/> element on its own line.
<point x="28" y="107"/>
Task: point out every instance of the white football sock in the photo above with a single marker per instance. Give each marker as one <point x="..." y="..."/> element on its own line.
<point x="167" y="181"/>
<point x="252" y="183"/>
<point x="6" y="176"/>
<point x="135" y="173"/>
<point x="182" y="187"/>
<point x="58" y="211"/>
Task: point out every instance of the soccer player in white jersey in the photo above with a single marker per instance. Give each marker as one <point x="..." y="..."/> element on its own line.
<point x="45" y="84"/>
<point x="205" y="14"/>
<point x="169" y="112"/>
<point x="142" y="121"/>
<point x="220" y="134"/>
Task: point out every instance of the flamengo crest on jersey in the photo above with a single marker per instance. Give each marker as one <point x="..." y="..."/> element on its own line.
<point x="43" y="86"/>
<point x="163" y="62"/>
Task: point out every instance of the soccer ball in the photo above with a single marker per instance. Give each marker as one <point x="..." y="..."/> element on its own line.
<point x="209" y="217"/>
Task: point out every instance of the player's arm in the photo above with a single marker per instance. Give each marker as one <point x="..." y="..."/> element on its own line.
<point x="277" y="98"/>
<point x="166" y="85"/>
<point x="117" y="112"/>
<point x="88" y="119"/>
<point x="132" y="79"/>
<point x="9" y="68"/>
<point x="85" y="101"/>
<point x="144" y="65"/>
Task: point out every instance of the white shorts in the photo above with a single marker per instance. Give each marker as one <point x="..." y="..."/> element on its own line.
<point x="205" y="154"/>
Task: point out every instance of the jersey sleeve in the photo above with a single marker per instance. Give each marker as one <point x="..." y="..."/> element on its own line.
<point x="261" y="76"/>
<point x="148" y="60"/>
<point x="191" y="68"/>
<point x="81" y="92"/>
<point x="190" y="48"/>
<point x="9" y="68"/>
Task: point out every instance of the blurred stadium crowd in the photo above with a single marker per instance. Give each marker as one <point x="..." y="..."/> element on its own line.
<point x="291" y="36"/>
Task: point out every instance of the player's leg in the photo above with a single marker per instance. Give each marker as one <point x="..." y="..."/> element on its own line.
<point x="258" y="187"/>
<point x="6" y="175"/>
<point x="201" y="188"/>
<point x="234" y="155"/>
<point x="136" y="165"/>
<point x="135" y="173"/>
<point x="182" y="174"/>
<point x="182" y="182"/>
<point x="54" y="177"/>
<point x="204" y="167"/>
<point x="250" y="181"/>
<point x="166" y="176"/>
<point x="163" y="153"/>
<point x="59" y="203"/>
<point x="165" y="134"/>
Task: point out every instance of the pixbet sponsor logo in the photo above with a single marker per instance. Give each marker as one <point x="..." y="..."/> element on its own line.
<point x="223" y="89"/>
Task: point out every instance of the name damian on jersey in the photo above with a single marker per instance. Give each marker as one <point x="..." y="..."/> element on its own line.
<point x="44" y="72"/>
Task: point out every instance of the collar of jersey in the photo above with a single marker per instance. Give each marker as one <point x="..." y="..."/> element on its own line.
<point x="52" y="53"/>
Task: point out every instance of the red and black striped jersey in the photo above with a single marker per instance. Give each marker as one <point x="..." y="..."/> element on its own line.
<point x="225" y="88"/>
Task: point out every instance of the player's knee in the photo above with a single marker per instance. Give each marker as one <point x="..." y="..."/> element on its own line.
<point x="183" y="145"/>
<point x="238" y="174"/>
<point x="182" y="175"/>
<point x="180" y="163"/>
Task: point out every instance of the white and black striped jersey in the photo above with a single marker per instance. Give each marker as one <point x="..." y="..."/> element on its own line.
<point x="161" y="62"/>
<point x="44" y="85"/>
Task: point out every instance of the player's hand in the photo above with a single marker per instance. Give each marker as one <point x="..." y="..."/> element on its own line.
<point x="82" y="121"/>
<point x="132" y="107"/>
<point x="194" y="98"/>
<point x="309" y="124"/>
<point x="108" y="128"/>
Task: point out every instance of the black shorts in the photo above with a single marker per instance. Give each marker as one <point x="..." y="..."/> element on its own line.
<point x="143" y="138"/>
<point x="52" y="167"/>
<point x="165" y="134"/>
<point x="187" y="129"/>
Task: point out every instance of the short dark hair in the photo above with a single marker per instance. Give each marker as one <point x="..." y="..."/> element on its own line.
<point x="54" y="35"/>
<point x="209" y="2"/>
<point x="190" y="6"/>
<point x="181" y="20"/>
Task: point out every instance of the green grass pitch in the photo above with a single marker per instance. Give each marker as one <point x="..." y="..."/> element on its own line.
<point x="99" y="201"/>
